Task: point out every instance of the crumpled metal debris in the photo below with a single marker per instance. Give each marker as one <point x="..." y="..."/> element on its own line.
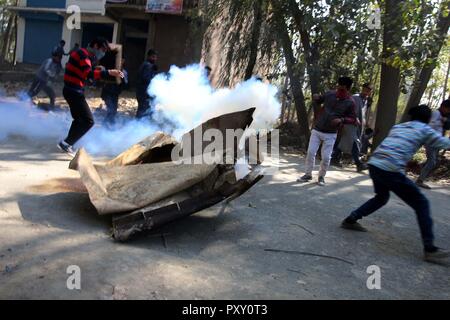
<point x="143" y="189"/>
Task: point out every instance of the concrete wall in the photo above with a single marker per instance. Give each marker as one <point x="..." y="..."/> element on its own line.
<point x="89" y="5"/>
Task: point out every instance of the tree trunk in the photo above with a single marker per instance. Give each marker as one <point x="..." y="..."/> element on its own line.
<point x="390" y="74"/>
<point x="15" y="40"/>
<point x="12" y="36"/>
<point x="289" y="108"/>
<point x="284" y="100"/>
<point x="312" y="55"/>
<point x="294" y="71"/>
<point x="6" y="37"/>
<point x="256" y="33"/>
<point x="435" y="47"/>
<point x="359" y="64"/>
<point x="431" y="95"/>
<point x="446" y="81"/>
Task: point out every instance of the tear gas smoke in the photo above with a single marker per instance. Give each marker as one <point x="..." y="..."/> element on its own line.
<point x="184" y="96"/>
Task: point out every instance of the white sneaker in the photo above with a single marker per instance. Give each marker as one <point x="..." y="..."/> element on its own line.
<point x="321" y="181"/>
<point x="66" y="148"/>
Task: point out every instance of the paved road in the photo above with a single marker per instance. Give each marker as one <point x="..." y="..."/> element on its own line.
<point x="48" y="224"/>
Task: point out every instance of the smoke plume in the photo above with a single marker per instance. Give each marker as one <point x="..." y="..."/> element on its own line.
<point x="184" y="96"/>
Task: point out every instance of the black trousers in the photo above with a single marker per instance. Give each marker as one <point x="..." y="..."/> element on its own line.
<point x="337" y="153"/>
<point x="39" y="85"/>
<point x="144" y="106"/>
<point x="83" y="119"/>
<point x="110" y="96"/>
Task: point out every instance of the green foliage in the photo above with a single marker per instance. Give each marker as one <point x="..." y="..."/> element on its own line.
<point x="7" y="31"/>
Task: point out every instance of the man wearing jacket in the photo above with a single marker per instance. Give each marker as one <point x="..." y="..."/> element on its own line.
<point x="80" y="69"/>
<point x="48" y="71"/>
<point x="338" y="109"/>
<point x="110" y="95"/>
<point x="147" y="72"/>
<point x="356" y="133"/>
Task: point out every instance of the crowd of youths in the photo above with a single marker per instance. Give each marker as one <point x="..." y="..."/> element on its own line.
<point x="345" y="116"/>
<point x="82" y="69"/>
<point x="340" y="126"/>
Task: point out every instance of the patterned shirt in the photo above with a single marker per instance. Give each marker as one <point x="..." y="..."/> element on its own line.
<point x="403" y="142"/>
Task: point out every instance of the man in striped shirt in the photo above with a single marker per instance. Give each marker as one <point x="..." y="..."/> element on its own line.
<point x="80" y="69"/>
<point x="387" y="170"/>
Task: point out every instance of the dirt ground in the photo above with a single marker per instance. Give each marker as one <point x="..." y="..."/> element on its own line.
<point x="47" y="224"/>
<point x="127" y="101"/>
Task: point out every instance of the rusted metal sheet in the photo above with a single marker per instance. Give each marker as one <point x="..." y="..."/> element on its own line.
<point x="128" y="225"/>
<point x="143" y="189"/>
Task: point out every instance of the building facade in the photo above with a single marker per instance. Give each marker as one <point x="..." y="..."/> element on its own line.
<point x="43" y="23"/>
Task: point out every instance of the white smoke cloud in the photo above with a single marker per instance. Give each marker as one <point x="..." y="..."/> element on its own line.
<point x="22" y="118"/>
<point x="184" y="96"/>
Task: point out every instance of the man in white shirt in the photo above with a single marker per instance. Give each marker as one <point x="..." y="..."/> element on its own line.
<point x="438" y="119"/>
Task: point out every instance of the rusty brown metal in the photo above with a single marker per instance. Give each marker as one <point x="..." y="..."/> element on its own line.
<point x="143" y="189"/>
<point x="129" y="225"/>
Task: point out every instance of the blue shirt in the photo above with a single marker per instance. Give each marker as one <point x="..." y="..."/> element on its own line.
<point x="403" y="142"/>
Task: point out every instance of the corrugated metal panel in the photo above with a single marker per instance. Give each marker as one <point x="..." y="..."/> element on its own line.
<point x="37" y="47"/>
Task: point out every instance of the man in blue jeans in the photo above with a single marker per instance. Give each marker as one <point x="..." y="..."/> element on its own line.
<point x="387" y="170"/>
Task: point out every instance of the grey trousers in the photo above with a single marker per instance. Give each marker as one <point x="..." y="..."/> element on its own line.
<point x="327" y="140"/>
<point x="430" y="165"/>
<point x="39" y="85"/>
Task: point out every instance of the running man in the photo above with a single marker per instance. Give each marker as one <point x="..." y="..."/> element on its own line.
<point x="80" y="69"/>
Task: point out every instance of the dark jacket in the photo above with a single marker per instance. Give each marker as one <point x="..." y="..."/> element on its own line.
<point x="58" y="51"/>
<point x="114" y="89"/>
<point x="447" y="124"/>
<point x="146" y="73"/>
<point x="49" y="70"/>
<point x="334" y="108"/>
